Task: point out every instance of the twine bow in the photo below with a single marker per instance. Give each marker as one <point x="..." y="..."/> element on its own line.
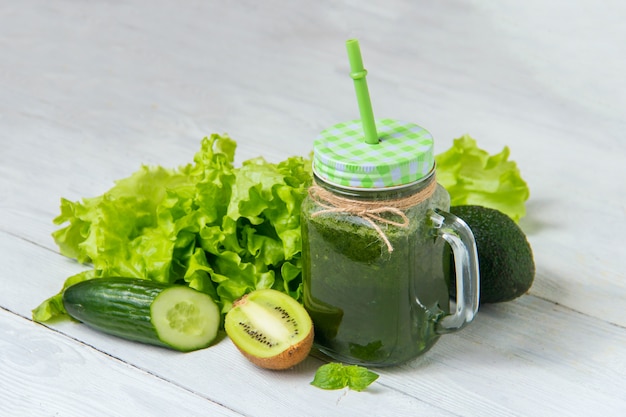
<point x="371" y="211"/>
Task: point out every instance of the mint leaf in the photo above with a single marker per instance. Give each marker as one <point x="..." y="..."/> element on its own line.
<point x="330" y="376"/>
<point x="359" y="378"/>
<point x="333" y="376"/>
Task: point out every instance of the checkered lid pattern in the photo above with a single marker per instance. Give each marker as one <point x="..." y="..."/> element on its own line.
<point x="403" y="155"/>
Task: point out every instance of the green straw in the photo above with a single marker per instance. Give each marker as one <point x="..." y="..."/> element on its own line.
<point x="358" y="74"/>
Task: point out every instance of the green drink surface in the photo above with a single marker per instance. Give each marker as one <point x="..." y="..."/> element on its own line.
<point x="369" y="305"/>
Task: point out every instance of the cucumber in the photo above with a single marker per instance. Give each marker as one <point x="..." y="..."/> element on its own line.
<point x="173" y="316"/>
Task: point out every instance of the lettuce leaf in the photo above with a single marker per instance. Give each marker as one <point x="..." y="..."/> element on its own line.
<point x="473" y="177"/>
<point x="216" y="228"/>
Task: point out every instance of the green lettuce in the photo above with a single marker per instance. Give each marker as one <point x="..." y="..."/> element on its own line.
<point x="219" y="229"/>
<point x="473" y="177"/>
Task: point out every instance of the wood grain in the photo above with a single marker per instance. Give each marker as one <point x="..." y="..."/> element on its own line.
<point x="92" y="90"/>
<point x="44" y="373"/>
<point x="219" y="374"/>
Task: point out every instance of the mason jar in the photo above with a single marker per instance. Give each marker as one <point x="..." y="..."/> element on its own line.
<point x="378" y="246"/>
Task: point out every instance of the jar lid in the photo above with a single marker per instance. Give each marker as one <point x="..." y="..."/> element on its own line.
<point x="404" y="155"/>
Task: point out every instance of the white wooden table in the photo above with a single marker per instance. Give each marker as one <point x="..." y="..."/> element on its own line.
<point x="89" y="91"/>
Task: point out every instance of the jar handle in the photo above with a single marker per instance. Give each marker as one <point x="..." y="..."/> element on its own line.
<point x="461" y="239"/>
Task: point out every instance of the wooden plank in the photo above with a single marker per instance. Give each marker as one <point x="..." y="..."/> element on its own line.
<point x="92" y="90"/>
<point x="525" y="357"/>
<point x="45" y="373"/>
<point x="220" y="373"/>
<point x="583" y="274"/>
<point x="86" y="133"/>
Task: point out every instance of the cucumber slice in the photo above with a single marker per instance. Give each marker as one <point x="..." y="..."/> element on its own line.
<point x="184" y="319"/>
<point x="177" y="317"/>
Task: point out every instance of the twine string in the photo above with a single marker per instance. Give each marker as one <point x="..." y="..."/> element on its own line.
<point x="372" y="211"/>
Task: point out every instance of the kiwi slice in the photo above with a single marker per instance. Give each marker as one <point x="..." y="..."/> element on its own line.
<point x="270" y="328"/>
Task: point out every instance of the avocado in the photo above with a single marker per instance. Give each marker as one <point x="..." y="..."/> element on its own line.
<point x="505" y="258"/>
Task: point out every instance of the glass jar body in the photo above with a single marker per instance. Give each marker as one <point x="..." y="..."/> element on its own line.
<point x="372" y="305"/>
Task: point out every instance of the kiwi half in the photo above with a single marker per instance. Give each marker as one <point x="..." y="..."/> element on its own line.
<point x="270" y="328"/>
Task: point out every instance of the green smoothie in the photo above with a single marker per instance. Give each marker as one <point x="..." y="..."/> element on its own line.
<point x="370" y="305"/>
<point x="376" y="265"/>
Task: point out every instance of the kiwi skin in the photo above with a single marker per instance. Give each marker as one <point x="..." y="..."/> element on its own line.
<point x="287" y="358"/>
<point x="293" y="354"/>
